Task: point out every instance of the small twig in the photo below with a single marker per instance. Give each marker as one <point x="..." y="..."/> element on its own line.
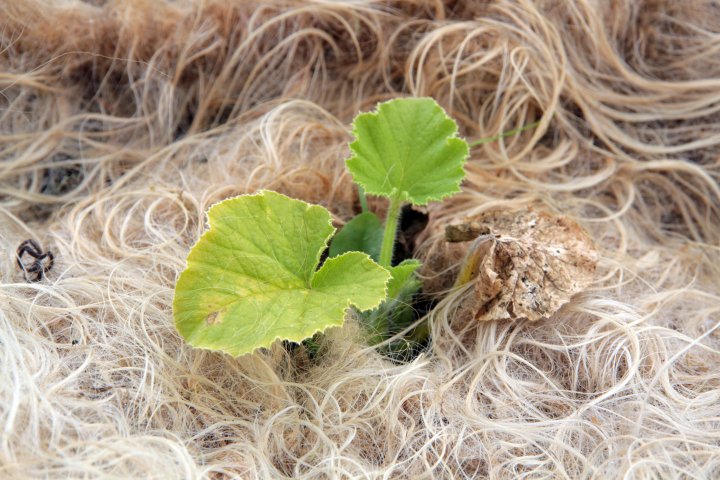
<point x="464" y="232"/>
<point x="509" y="133"/>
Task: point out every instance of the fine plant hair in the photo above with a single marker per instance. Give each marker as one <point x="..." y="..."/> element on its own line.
<point x="122" y="122"/>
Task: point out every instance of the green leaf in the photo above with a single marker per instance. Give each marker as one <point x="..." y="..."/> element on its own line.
<point x="251" y="278"/>
<point x="364" y="233"/>
<point x="402" y="287"/>
<point x="403" y="278"/>
<point x="408" y="147"/>
<point x="396" y="312"/>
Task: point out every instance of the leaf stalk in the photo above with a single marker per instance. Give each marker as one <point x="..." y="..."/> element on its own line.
<point x="391" y="226"/>
<point x="363" y="199"/>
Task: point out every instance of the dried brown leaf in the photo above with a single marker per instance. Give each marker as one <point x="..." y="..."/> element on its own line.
<point x="528" y="266"/>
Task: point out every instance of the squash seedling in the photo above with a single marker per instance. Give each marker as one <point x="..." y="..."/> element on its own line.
<point x="408" y="152"/>
<point x="255" y="277"/>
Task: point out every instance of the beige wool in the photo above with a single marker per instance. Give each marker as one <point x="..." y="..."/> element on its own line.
<point x="121" y="122"/>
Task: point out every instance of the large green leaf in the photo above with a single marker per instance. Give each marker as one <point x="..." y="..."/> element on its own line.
<point x="251" y="278"/>
<point x="408" y="147"/>
<point x="364" y="233"/>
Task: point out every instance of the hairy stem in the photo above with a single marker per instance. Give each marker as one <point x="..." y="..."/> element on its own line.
<point x="363" y="199"/>
<point x="391" y="224"/>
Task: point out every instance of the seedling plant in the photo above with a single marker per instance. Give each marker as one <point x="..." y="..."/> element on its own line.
<point x="256" y="276"/>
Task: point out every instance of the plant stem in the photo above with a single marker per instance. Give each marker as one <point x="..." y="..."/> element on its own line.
<point x="363" y="199"/>
<point x="509" y="133"/>
<point x="391" y="224"/>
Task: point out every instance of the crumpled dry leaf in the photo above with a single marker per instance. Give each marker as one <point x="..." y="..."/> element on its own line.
<point x="529" y="264"/>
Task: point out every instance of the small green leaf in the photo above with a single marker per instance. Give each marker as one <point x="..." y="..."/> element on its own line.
<point x="408" y="147"/>
<point x="364" y="233"/>
<point x="251" y="278"/>
<point x="402" y="287"/>
<point x="403" y="278"/>
<point x="396" y="312"/>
